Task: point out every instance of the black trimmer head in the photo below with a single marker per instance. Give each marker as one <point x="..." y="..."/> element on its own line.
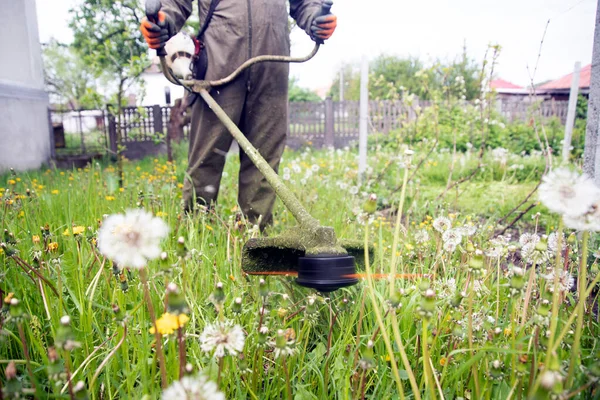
<point x="326" y="274"/>
<point x="324" y="265"/>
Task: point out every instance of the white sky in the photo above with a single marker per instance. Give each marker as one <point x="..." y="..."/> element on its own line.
<point x="429" y="29"/>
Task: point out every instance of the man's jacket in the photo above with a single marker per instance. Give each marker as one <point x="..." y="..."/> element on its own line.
<point x="242" y="29"/>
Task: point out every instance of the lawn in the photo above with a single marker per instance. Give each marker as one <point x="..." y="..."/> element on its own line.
<point x="476" y="315"/>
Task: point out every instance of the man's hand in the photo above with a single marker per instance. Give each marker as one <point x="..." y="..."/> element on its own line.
<point x="157" y="35"/>
<point x="323" y="26"/>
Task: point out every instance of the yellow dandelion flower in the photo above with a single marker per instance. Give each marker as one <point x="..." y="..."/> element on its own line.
<point x="109" y="198"/>
<point x="12" y="182"/>
<point x="409" y="246"/>
<point x="209" y="227"/>
<point x="161" y="214"/>
<point x="52" y="246"/>
<point x="71" y="178"/>
<point x="18" y="179"/>
<point x="443" y="361"/>
<point x="40" y="187"/>
<point x="8" y="297"/>
<point x="507" y="331"/>
<point x="232" y="278"/>
<point x="55" y="191"/>
<point x="21" y="214"/>
<point x="35" y="239"/>
<point x="169" y="323"/>
<point x="173" y="178"/>
<point x="121" y="190"/>
<point x="62" y="173"/>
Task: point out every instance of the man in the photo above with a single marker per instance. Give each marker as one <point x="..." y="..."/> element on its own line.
<point x="256" y="101"/>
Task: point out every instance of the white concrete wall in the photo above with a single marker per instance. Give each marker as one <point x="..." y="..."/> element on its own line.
<point x="24" y="127"/>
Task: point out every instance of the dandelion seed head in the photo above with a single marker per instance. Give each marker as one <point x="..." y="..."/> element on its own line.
<point x="568" y="193"/>
<point x="193" y="388"/>
<point x="132" y="239"/>
<point x="452" y="236"/>
<point x="441" y="224"/>
<point x="222" y="338"/>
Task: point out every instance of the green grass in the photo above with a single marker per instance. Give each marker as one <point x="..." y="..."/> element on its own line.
<point x="331" y="331"/>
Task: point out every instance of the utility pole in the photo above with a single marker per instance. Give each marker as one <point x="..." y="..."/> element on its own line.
<point x="364" y="116"/>
<point x="566" y="151"/>
<point x="342" y="84"/>
<point x="591" y="155"/>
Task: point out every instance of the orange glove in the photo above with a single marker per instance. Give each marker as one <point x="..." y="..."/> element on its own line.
<point x="323" y="26"/>
<point x="157" y="35"/>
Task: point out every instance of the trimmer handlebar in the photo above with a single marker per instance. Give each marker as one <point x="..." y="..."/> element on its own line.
<point x="154" y="6"/>
<point x="152" y="9"/>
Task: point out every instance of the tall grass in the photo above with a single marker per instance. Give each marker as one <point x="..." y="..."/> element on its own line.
<point x="453" y="331"/>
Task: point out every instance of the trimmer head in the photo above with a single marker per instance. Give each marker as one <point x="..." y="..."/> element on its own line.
<point x="319" y="260"/>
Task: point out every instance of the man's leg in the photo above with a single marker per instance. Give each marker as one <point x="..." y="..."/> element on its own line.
<point x="264" y="122"/>
<point x="209" y="144"/>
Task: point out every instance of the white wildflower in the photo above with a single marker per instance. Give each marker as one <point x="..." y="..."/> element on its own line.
<point x="441" y="224"/>
<point x="565" y="281"/>
<point x="534" y="255"/>
<point x="222" y="338"/>
<point x="568" y="193"/>
<point x="450" y="246"/>
<point x="589" y="221"/>
<point x="553" y="242"/>
<point x="283" y="346"/>
<point x="468" y="230"/>
<point x="353" y="190"/>
<point x="549" y="379"/>
<point x="529" y="238"/>
<point x="497" y="247"/>
<point x="422" y="236"/>
<point x="193" y="388"/>
<point x="452" y="236"/>
<point x="132" y="239"/>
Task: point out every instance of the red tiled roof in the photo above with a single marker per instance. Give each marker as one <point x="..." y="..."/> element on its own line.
<point x="502" y="84"/>
<point x="565" y="81"/>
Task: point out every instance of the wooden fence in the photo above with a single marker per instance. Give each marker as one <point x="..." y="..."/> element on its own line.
<point x="326" y="123"/>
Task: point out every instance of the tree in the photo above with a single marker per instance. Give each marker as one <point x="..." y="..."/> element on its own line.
<point x="106" y="35"/>
<point x="297" y="93"/>
<point x="392" y="77"/>
<point x="67" y="78"/>
<point x="351" y="84"/>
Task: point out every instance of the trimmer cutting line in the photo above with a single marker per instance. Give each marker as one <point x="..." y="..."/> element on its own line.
<point x="310" y="251"/>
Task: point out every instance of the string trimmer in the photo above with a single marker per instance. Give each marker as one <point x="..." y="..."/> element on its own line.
<point x="310" y="250"/>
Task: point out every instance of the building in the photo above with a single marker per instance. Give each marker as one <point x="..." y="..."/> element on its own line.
<point x="508" y="90"/>
<point x="560" y="88"/>
<point x="155" y="86"/>
<point x="24" y="123"/>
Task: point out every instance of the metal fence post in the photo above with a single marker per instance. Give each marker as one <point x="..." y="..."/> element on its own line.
<point x="157" y="118"/>
<point x="112" y="133"/>
<point x="329" y="123"/>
